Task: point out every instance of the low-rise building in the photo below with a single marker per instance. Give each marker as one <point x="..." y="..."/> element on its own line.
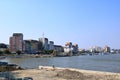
<point x="3" y="47"/>
<point x="96" y="49"/>
<point x="58" y="48"/>
<point x="81" y="50"/>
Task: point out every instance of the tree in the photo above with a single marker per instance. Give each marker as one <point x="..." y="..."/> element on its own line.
<point x="54" y="53"/>
<point x="40" y="46"/>
<point x="2" y="45"/>
<point x="18" y="52"/>
<point x="7" y="52"/>
<point x="1" y="52"/>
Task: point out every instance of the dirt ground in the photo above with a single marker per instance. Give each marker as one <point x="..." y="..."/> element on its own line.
<point x="65" y="74"/>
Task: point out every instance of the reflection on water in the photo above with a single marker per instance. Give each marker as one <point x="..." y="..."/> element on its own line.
<point x="108" y="63"/>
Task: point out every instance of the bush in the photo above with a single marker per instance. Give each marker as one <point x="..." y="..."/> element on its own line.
<point x="18" y="52"/>
<point x="1" y="52"/>
<point x="7" y="52"/>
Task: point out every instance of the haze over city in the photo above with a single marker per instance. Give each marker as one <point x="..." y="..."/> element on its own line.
<point x="85" y="22"/>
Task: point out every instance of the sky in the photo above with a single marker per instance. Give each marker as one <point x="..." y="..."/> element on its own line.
<point x="85" y="22"/>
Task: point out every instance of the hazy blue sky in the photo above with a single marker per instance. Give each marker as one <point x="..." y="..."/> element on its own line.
<point x="86" y="22"/>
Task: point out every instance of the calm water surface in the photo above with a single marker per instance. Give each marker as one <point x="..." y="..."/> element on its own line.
<point x="109" y="63"/>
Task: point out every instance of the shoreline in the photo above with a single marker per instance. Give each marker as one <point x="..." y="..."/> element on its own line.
<point x="57" y="73"/>
<point x="74" y="69"/>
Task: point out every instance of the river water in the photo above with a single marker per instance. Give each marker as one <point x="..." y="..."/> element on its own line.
<point x="109" y="63"/>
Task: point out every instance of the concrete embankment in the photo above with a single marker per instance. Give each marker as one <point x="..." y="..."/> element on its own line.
<point x="55" y="73"/>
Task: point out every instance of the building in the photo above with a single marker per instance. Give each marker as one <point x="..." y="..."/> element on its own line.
<point x="40" y="48"/>
<point x="31" y="46"/>
<point x="27" y="46"/>
<point x="68" y="44"/>
<point x="68" y="47"/>
<point x="51" y="45"/>
<point x="44" y="42"/>
<point x="3" y="47"/>
<point x="96" y="49"/>
<point x="58" y="48"/>
<point x="34" y="46"/>
<point x="16" y="42"/>
<point x="75" y="48"/>
<point x="107" y="49"/>
<point x="81" y="50"/>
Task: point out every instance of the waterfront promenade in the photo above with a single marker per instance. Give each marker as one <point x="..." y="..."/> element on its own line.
<point x="55" y="73"/>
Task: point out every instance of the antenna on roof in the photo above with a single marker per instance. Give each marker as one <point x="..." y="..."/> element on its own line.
<point x="43" y="34"/>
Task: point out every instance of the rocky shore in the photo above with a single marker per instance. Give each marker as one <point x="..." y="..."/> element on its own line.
<point x="4" y="66"/>
<point x="55" y="73"/>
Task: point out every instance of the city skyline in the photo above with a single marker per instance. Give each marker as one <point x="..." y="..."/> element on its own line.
<point x="87" y="23"/>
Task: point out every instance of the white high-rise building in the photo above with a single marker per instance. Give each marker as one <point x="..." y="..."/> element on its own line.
<point x="44" y="42"/>
<point x="51" y="45"/>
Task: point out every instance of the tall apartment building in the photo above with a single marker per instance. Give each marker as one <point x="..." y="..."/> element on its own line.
<point x="44" y="42"/>
<point x="107" y="49"/>
<point x="27" y="46"/>
<point x="16" y="42"/>
<point x="34" y="46"/>
<point x="51" y="45"/>
<point x="31" y="46"/>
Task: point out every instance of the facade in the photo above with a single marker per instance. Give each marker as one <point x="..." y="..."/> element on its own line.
<point x="40" y="48"/>
<point x="75" y="49"/>
<point x="58" y="48"/>
<point x="96" y="49"/>
<point x="107" y="49"/>
<point x="16" y="42"/>
<point x="44" y="42"/>
<point x="51" y="45"/>
<point x="81" y="50"/>
<point x="68" y="44"/>
<point x="31" y="46"/>
<point x="12" y="44"/>
<point x="68" y="47"/>
<point x="27" y="46"/>
<point x="34" y="46"/>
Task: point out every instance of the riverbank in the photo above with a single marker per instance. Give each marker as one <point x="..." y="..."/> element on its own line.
<point x="55" y="73"/>
<point x="4" y="66"/>
<point x="28" y="56"/>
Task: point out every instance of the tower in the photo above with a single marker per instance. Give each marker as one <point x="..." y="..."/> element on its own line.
<point x="16" y="42"/>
